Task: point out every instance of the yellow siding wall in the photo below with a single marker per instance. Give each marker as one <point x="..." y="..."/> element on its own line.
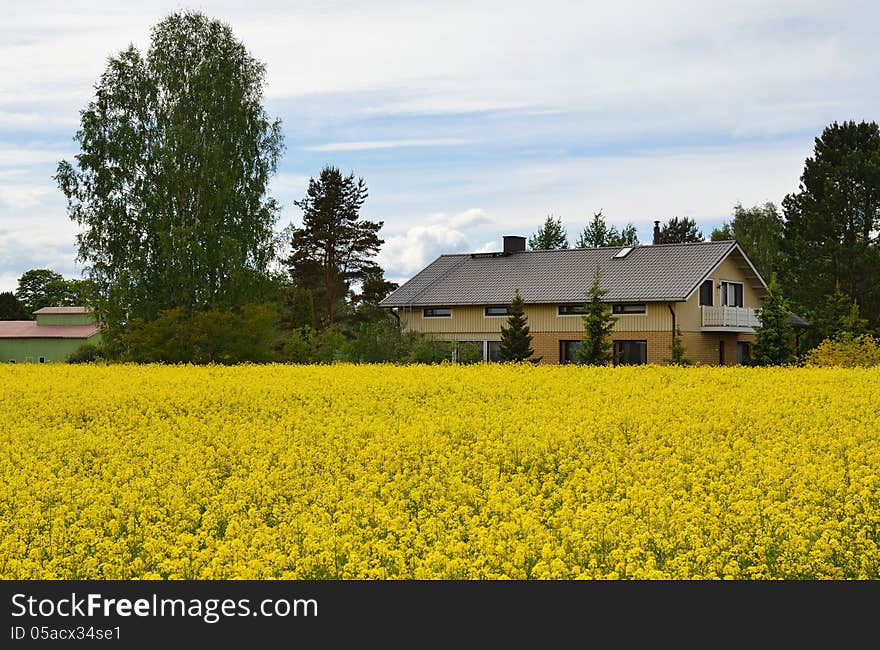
<point x="541" y="318"/>
<point x="699" y="347"/>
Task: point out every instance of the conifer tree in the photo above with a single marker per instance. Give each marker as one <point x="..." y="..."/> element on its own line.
<point x="598" y="324"/>
<point x="550" y="236"/>
<point x="516" y="341"/>
<point x="773" y="345"/>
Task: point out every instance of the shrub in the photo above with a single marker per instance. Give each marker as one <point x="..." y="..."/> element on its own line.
<point x="846" y="350"/>
<point x="213" y="336"/>
<point x="86" y="353"/>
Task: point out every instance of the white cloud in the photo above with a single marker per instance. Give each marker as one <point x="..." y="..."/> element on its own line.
<point x="404" y="254"/>
<point x="385" y="144"/>
<point x="11" y="156"/>
<point x="23" y="197"/>
<point x="35" y="119"/>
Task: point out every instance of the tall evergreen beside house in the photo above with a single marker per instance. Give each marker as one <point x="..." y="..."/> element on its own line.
<point x="598" y="325"/>
<point x="516" y="340"/>
<point x="773" y="344"/>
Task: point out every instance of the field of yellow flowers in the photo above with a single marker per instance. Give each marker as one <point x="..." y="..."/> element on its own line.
<point x="471" y="472"/>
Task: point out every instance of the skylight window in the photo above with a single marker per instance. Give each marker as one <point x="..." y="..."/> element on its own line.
<point x="623" y="252"/>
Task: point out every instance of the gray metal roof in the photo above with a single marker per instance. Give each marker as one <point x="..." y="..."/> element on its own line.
<point x="666" y="272"/>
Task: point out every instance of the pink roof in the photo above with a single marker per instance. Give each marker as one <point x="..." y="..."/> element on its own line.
<point x="28" y="329"/>
<point x="64" y="310"/>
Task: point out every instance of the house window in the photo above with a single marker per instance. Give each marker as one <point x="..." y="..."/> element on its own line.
<point x="630" y="353"/>
<point x="492" y="349"/>
<point x="568" y="351"/>
<point x="496" y="310"/>
<point x="12" y="361"/>
<point x="437" y="312"/>
<point x="628" y="309"/>
<point x="743" y="352"/>
<point x="707" y="293"/>
<point x="570" y="310"/>
<point x="468" y="352"/>
<point x="732" y="294"/>
<point x="42" y="359"/>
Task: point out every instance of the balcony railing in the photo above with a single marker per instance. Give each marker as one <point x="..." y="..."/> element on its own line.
<point x="734" y="317"/>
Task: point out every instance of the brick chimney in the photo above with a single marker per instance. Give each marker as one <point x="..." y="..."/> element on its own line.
<point x="656" y="232"/>
<point x="514" y="244"/>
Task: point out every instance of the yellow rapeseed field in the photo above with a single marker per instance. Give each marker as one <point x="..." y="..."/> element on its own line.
<point x="381" y="472"/>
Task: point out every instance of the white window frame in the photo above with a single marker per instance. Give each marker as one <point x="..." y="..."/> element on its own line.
<point x="725" y="284"/>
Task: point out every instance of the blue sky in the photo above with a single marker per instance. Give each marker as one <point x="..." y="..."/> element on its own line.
<point x="472" y="120"/>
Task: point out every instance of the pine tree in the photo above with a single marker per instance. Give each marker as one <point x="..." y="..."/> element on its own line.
<point x="335" y="246"/>
<point x="550" y="236"/>
<point x="680" y="231"/>
<point x="516" y="341"/>
<point x="598" y="324"/>
<point x="831" y="223"/>
<point x="597" y="233"/>
<point x="839" y="314"/>
<point x="11" y="308"/>
<point x="773" y="345"/>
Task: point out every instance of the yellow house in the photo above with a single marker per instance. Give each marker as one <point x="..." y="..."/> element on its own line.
<point x="710" y="290"/>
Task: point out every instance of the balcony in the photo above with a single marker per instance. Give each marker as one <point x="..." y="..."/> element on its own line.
<point x="729" y="319"/>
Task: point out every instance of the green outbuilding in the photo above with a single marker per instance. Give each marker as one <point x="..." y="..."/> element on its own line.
<point x="56" y="332"/>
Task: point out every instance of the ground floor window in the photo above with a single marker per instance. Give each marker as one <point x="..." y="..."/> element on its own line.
<point x="630" y="353"/>
<point x="466" y="351"/>
<point x="743" y="352"/>
<point x="568" y="351"/>
<point x="474" y="351"/>
<point x="42" y="359"/>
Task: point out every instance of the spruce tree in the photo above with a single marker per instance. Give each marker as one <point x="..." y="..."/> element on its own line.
<point x="516" y="341"/>
<point x="597" y="233"/>
<point x="551" y="236"/>
<point x="11" y="308"/>
<point x="773" y="345"/>
<point x="680" y="231"/>
<point x="598" y="324"/>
